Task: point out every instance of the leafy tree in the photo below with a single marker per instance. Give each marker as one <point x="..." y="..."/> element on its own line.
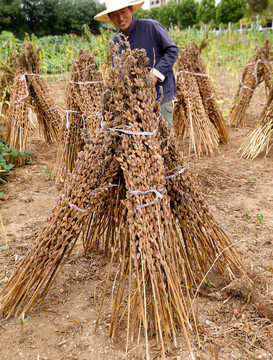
<point x="148" y="14"/>
<point x="81" y="12"/>
<point x="230" y="11"/>
<point x="269" y="10"/>
<point x="206" y="11"/>
<point x="167" y="14"/>
<point x="186" y="13"/>
<point x="32" y="9"/>
<point x="154" y="13"/>
<point x="48" y="17"/>
<point x="143" y="14"/>
<point x="258" y="6"/>
<point x="12" y="17"/>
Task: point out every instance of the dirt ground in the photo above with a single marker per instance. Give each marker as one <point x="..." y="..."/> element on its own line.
<point x="233" y="323"/>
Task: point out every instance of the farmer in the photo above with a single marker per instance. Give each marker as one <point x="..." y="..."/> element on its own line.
<point x="154" y="38"/>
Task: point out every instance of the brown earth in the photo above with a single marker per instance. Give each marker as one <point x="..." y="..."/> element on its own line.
<point x="235" y="322"/>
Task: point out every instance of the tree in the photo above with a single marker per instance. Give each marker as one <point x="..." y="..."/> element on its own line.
<point x="230" y="11"/>
<point x="268" y="13"/>
<point x="186" y="13"/>
<point x="143" y="14"/>
<point x="12" y="17"/>
<point x="48" y="17"/>
<point x="167" y="14"/>
<point x="206" y="11"/>
<point x="258" y="6"/>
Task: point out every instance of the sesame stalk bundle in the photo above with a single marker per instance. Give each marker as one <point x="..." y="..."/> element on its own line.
<point x="130" y="195"/>
<point x="30" y="91"/>
<point x="259" y="138"/>
<point x="196" y="112"/>
<point x="257" y="70"/>
<point x="83" y="104"/>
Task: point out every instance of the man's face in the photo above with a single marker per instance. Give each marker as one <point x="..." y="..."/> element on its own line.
<point x="122" y="18"/>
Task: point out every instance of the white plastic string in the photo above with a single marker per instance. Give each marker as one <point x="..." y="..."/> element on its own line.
<point x="67" y="112"/>
<point x="134" y="132"/>
<point x="99" y="115"/>
<point x="137" y="192"/>
<point x="244" y="86"/>
<point x="77" y="208"/>
<point x="211" y="96"/>
<point x="260" y="61"/>
<point x="93" y="115"/>
<point x="255" y="72"/>
<point x="54" y="107"/>
<point x="101" y="123"/>
<point x="256" y="63"/>
<point x="189" y="72"/>
<point x="85" y="82"/>
<point x="177" y="173"/>
<point x="23" y="78"/>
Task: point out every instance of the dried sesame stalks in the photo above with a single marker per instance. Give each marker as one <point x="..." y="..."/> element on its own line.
<point x="30" y="89"/>
<point x="259" y="138"/>
<point x="191" y="119"/>
<point x="128" y="196"/>
<point x="257" y="70"/>
<point x="83" y="104"/>
<point x="18" y="124"/>
<point x="196" y="112"/>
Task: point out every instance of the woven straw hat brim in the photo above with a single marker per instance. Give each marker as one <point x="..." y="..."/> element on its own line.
<point x="103" y="16"/>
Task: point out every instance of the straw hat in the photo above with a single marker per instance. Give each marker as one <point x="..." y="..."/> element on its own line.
<point x="114" y="5"/>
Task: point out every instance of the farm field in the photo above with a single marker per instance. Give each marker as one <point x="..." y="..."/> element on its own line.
<point x="235" y="323"/>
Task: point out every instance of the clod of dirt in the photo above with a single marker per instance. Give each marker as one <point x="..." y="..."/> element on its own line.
<point x="265" y="310"/>
<point x="240" y="287"/>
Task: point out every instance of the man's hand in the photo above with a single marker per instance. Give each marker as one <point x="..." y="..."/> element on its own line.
<point x="155" y="78"/>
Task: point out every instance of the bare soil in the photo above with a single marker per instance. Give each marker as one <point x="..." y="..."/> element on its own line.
<point x="234" y="321"/>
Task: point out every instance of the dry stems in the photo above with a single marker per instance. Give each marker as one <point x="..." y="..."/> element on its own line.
<point x="129" y="195"/>
<point x="258" y="69"/>
<point x="259" y="137"/>
<point x="196" y="112"/>
<point x="83" y="101"/>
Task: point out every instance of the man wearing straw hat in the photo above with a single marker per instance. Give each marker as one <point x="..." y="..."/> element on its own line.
<point x="154" y="38"/>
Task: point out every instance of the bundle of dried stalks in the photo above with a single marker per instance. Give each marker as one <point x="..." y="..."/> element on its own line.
<point x="208" y="93"/>
<point x="19" y="124"/>
<point x="6" y="83"/>
<point x="259" y="137"/>
<point x="258" y="69"/>
<point x="83" y="99"/>
<point x="196" y="112"/>
<point x="190" y="117"/>
<point x="49" y="115"/>
<point x="30" y="91"/>
<point x="129" y="195"/>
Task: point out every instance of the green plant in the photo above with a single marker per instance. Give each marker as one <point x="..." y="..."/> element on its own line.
<point x="45" y="170"/>
<point x="23" y="319"/>
<point x="7" y="153"/>
<point x="254" y="180"/>
<point x="260" y="218"/>
<point x="247" y="216"/>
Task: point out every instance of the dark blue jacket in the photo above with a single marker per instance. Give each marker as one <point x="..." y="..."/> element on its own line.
<point x="154" y="38"/>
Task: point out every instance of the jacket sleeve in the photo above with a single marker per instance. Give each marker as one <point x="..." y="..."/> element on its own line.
<point x="167" y="48"/>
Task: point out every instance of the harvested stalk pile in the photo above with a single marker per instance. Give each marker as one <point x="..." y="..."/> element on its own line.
<point x="30" y="92"/>
<point x="130" y="196"/>
<point x="6" y="81"/>
<point x="196" y="112"/>
<point x="257" y="70"/>
<point x="259" y="138"/>
<point x="83" y="99"/>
